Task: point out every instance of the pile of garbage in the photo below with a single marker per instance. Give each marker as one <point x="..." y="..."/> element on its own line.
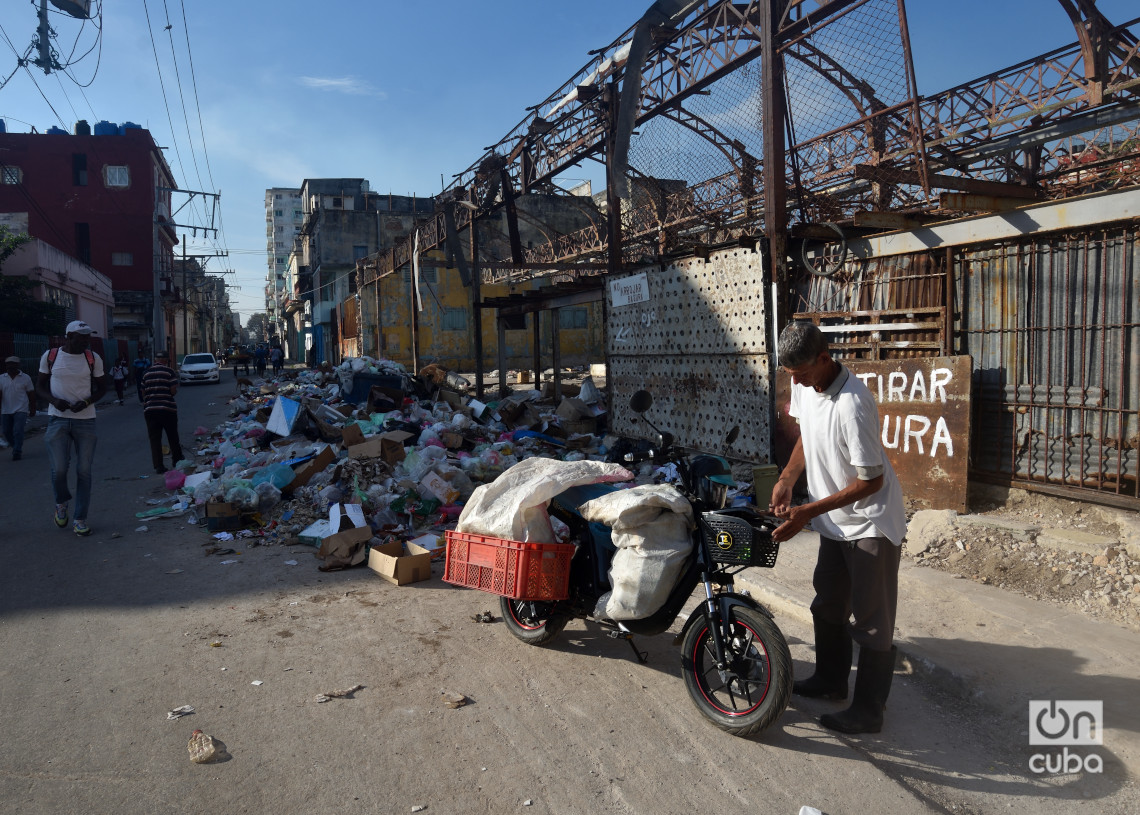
<point x="370" y="454"/>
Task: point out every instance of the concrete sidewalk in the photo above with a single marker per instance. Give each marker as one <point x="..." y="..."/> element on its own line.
<point x="988" y="646"/>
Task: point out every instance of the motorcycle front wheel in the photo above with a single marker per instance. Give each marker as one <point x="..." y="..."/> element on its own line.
<point x="754" y="690"/>
<point x="532" y="622"/>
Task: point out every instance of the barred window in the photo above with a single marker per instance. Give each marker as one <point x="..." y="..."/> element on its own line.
<point x="455" y="319"/>
<point x="577" y="317"/>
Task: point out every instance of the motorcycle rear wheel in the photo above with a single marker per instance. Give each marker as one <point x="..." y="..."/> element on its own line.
<point x="754" y="691"/>
<point x="532" y="622"/>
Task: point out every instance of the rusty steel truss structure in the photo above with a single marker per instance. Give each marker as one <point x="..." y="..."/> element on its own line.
<point x="829" y="99"/>
<point x="793" y="128"/>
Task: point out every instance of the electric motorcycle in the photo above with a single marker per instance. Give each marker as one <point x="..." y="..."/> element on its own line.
<point x="735" y="660"/>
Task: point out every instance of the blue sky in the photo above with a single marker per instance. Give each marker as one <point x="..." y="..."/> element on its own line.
<point x="393" y="91"/>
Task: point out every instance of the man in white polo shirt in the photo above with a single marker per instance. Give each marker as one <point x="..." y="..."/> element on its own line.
<point x="71" y="380"/>
<point x="856" y="506"/>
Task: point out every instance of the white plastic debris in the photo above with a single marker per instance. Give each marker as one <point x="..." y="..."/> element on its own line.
<point x="257" y="682"/>
<point x="179" y="712"/>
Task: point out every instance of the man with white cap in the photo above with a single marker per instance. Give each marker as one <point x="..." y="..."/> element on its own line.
<point x="72" y="380"/>
<point x="17" y="403"/>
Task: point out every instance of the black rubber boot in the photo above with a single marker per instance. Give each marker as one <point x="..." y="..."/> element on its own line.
<point x="872" y="686"/>
<point x="832" y="664"/>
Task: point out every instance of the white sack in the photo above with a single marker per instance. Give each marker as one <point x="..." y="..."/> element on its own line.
<point x="651" y="526"/>
<point x="514" y="505"/>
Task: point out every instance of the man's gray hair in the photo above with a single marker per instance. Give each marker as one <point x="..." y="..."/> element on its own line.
<point x="800" y="344"/>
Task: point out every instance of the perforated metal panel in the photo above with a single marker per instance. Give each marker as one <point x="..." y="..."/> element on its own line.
<point x="699" y="344"/>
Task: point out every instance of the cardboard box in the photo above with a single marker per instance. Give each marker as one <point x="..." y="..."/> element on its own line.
<point x="439" y="487"/>
<point x="400" y="563"/>
<point x="509" y="409"/>
<point x="527" y="419"/>
<point x="451" y="397"/>
<point x="315" y="533"/>
<point x="578" y="426"/>
<point x="571" y="409"/>
<point x="222" y="516"/>
<point x="451" y="440"/>
<point x="351" y="435"/>
<point x="382" y="399"/>
<point x="346" y="516"/>
<point x="348" y="548"/>
<point x="387" y="446"/>
<point x="304" y="472"/>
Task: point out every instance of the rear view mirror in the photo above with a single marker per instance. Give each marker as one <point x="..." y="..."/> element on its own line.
<point x="640" y="402"/>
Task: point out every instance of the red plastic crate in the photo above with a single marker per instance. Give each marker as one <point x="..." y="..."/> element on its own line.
<point x="521" y="571"/>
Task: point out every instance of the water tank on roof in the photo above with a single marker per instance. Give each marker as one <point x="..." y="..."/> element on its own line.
<point x="106" y="128"/>
<point x="56" y="131"/>
<point x="82" y="128"/>
<point x="125" y="126"/>
<point x="3" y="127"/>
<point x="80" y="9"/>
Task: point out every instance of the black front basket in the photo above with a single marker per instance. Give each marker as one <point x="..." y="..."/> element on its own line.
<point x="734" y="536"/>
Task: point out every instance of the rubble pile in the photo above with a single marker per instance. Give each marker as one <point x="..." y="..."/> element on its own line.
<point x="366" y="455"/>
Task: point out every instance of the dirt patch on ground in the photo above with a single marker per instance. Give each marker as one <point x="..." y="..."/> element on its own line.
<point x="1104" y="585"/>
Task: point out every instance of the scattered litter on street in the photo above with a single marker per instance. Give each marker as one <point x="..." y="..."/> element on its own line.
<point x="203" y="749"/>
<point x="179" y="712"/>
<point x="257" y="682"/>
<point x="347" y="693"/>
<point x="453" y="700"/>
<point x="484" y="617"/>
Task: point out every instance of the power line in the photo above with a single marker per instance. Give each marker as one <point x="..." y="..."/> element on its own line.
<point x="162" y="85"/>
<point x="182" y="98"/>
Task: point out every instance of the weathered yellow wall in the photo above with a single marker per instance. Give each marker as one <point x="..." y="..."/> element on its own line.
<point x="455" y="349"/>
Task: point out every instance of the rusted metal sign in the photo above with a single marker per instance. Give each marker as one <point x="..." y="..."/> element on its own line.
<point x="924" y="415"/>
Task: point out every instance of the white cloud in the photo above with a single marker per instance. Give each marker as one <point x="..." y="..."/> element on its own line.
<point x="351" y="85"/>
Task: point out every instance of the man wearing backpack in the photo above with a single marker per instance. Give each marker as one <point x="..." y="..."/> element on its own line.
<point x="71" y="381"/>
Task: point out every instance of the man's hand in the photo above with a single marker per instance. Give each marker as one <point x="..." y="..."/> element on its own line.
<point x="781" y="499"/>
<point x="795" y="519"/>
<point x="75" y="407"/>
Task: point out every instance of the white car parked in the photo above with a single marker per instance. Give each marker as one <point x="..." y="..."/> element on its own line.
<point x="199" y="368"/>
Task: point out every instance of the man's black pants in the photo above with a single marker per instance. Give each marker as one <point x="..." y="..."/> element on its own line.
<point x="858" y="581"/>
<point x="158" y="421"/>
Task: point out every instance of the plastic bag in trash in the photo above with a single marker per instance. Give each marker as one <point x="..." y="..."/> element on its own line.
<point x="279" y="475"/>
<point x="268" y="496"/>
<point x="244" y="497"/>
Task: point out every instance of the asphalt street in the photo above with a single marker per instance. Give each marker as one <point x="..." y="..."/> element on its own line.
<point x="102" y="636"/>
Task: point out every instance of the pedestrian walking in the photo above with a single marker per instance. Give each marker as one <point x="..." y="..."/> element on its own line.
<point x="71" y="380"/>
<point x="259" y="357"/>
<point x="17" y="403"/>
<point x="277" y="357"/>
<point x="856" y="505"/>
<point x="119" y="376"/>
<point x="141" y="363"/>
<point x="159" y="384"/>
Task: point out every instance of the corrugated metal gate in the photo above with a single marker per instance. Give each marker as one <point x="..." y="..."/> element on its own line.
<point x="699" y="344"/>
<point x="1052" y="327"/>
<point x="1051" y="324"/>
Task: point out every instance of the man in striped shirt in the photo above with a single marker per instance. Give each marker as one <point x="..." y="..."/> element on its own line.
<point x="158" y="385"/>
